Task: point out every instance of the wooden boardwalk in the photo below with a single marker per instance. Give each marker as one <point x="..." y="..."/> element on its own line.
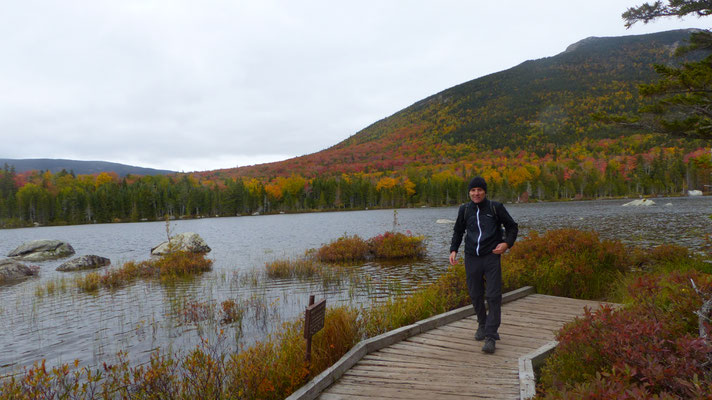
<point x="447" y="363"/>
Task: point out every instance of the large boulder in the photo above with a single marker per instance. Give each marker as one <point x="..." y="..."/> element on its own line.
<point x="187" y="241"/>
<point x="42" y="250"/>
<point x="84" y="262"/>
<point x="12" y="271"/>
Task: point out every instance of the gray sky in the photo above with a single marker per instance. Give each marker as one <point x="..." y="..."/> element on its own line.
<point x="199" y="85"/>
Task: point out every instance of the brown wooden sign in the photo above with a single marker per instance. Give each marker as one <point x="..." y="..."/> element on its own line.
<point x="314" y="318"/>
<point x="313" y="322"/>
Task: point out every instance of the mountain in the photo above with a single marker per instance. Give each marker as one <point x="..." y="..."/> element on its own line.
<point x="537" y="106"/>
<point x="78" y="167"/>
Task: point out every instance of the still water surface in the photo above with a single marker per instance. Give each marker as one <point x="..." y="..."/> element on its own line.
<point x="144" y="316"/>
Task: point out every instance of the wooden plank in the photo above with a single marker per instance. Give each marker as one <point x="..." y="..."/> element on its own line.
<point x="365" y="392"/>
<point x="425" y="377"/>
<point x="433" y="373"/>
<point x="490" y="361"/>
<point x="527" y="381"/>
<point x="431" y="361"/>
<point x="407" y="359"/>
<point x="443" y="388"/>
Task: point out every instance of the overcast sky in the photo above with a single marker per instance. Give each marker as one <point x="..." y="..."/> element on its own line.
<point x="199" y="85"/>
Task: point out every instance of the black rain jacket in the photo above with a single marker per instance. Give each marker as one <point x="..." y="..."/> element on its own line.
<point x="483" y="227"/>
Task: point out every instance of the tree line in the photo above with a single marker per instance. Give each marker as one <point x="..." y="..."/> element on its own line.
<point x="585" y="172"/>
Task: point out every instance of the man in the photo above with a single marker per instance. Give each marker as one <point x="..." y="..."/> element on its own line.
<point x="482" y="219"/>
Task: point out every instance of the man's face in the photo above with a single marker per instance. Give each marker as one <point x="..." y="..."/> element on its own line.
<point x="477" y="194"/>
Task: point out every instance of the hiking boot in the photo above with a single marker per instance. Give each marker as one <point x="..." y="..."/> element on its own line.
<point x="480" y="334"/>
<point x="489" y="346"/>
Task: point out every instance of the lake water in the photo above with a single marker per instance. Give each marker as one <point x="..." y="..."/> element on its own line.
<point x="146" y="315"/>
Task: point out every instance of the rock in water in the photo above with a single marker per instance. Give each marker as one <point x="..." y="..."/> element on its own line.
<point x="42" y="250"/>
<point x="640" y="202"/>
<point x="187" y="241"/>
<point x="12" y="271"/>
<point x="84" y="262"/>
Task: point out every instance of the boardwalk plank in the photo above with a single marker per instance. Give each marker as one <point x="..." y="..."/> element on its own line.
<point x="447" y="363"/>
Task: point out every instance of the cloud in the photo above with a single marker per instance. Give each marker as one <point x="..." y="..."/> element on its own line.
<point x="186" y="85"/>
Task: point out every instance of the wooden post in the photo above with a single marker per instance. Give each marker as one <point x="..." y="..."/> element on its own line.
<point x="313" y="322"/>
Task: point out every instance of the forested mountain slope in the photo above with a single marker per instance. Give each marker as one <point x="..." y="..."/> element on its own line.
<point x="535" y="106"/>
<point x="527" y="130"/>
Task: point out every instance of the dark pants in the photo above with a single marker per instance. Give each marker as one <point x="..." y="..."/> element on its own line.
<point x="479" y="269"/>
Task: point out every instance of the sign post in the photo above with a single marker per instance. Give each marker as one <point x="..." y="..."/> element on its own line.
<point x="313" y="321"/>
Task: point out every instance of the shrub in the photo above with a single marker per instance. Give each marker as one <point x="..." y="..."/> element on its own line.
<point x="565" y="262"/>
<point x="669" y="257"/>
<point x="652" y="346"/>
<point x="345" y="248"/>
<point x="395" y="245"/>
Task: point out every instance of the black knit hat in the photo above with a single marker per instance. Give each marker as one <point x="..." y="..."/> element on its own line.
<point x="479" y="182"/>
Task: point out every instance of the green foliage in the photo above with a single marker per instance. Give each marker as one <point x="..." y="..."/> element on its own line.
<point x="565" y="262"/>
<point x="681" y="100"/>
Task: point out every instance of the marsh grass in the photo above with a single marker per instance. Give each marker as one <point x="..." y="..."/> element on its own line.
<point x="167" y="268"/>
<point x="269" y="369"/>
<point x="53" y="287"/>
<point x="273" y="368"/>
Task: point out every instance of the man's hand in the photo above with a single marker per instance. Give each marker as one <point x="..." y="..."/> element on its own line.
<point x="501" y="248"/>
<point x="453" y="255"/>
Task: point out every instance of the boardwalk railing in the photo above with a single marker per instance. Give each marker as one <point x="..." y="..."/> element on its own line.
<point x="322" y="381"/>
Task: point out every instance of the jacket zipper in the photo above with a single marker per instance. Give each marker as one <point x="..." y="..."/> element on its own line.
<point x="477" y="250"/>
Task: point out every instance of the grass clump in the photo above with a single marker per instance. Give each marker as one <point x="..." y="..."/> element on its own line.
<point x="168" y="267"/>
<point x="299" y="268"/>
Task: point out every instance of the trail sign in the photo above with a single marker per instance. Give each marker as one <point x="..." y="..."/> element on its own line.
<point x="313" y="321"/>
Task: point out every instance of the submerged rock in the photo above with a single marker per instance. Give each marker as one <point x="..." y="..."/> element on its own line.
<point x="13" y="271"/>
<point x="640" y="202"/>
<point x="84" y="262"/>
<point x="42" y="250"/>
<point x="187" y="241"/>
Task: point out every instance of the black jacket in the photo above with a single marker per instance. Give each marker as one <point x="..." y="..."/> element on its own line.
<point x="484" y="227"/>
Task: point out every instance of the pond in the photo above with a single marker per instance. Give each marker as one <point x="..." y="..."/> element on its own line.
<point x="65" y="325"/>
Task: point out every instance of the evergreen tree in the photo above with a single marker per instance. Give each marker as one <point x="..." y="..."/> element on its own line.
<point x="681" y="101"/>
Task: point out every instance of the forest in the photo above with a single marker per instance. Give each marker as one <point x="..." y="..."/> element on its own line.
<point x="629" y="166"/>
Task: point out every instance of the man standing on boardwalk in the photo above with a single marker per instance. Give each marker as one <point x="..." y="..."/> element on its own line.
<point x="482" y="219"/>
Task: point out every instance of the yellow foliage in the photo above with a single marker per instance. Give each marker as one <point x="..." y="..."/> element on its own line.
<point x="386" y="183"/>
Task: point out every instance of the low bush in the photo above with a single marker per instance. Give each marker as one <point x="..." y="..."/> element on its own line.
<point x="386" y="246"/>
<point x="396" y="245"/>
<point x="565" y="262"/>
<point x="651" y="347"/>
<point x="343" y="249"/>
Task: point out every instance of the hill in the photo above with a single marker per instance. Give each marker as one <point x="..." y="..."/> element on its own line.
<point x="537" y="106"/>
<point x="528" y="130"/>
<point x="78" y="167"/>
